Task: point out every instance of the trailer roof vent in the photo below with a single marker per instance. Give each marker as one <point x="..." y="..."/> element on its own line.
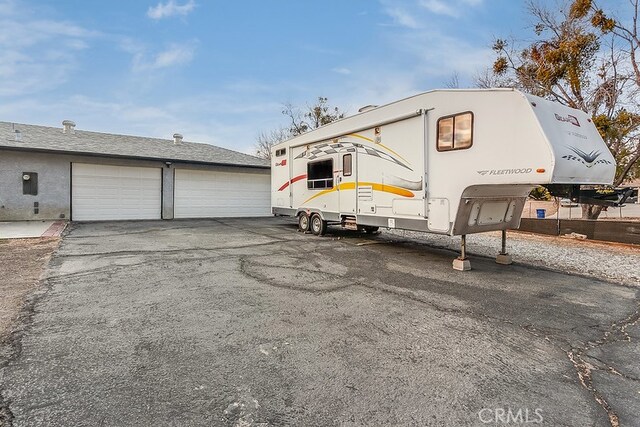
<point x="367" y="108"/>
<point x="177" y="138"/>
<point x="68" y="126"/>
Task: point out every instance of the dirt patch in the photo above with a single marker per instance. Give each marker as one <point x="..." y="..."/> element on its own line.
<point x="21" y="264"/>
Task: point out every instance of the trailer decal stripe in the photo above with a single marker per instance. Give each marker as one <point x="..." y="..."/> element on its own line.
<point x="361" y="137"/>
<point x="322" y="193"/>
<point x="324" y="149"/>
<point x="297" y="178"/>
<point x="374" y="185"/>
<point x="378" y="143"/>
<point x="388" y="189"/>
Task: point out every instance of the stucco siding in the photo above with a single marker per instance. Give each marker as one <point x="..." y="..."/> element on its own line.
<point x="53" y="186"/>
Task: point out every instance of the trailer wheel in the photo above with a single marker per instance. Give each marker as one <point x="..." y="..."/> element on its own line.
<point x="303" y="222"/>
<point x="371" y="230"/>
<point x="318" y="225"/>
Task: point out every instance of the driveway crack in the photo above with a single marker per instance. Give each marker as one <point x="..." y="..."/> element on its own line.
<point x="607" y="367"/>
<point x="14" y="343"/>
<point x="6" y="416"/>
<point x="166" y="251"/>
<point x="578" y="357"/>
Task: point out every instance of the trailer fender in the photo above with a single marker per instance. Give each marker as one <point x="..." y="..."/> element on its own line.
<point x="318" y="211"/>
<point x="309" y="212"/>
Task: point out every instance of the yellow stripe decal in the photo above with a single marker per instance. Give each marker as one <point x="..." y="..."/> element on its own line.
<point x="322" y="193"/>
<point x="378" y="143"/>
<point x="374" y="185"/>
<point x="361" y="137"/>
<point x="388" y="189"/>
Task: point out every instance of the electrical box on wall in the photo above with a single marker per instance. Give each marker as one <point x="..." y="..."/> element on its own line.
<point x="30" y="183"/>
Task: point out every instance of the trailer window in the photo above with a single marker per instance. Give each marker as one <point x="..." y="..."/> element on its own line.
<point x="320" y="174"/>
<point x="281" y="152"/>
<point x="347" y="164"/>
<point x="455" y="132"/>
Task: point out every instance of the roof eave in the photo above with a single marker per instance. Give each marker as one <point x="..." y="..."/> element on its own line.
<point x="122" y="156"/>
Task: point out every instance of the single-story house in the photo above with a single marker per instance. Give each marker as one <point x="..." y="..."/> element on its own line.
<point x="51" y="173"/>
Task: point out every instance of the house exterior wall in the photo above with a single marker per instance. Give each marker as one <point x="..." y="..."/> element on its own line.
<point x="54" y="182"/>
<point x="53" y="186"/>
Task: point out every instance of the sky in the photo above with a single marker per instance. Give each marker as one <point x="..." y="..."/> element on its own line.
<point x="219" y="72"/>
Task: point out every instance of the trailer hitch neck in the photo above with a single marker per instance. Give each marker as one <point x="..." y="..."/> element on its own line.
<point x="612" y="197"/>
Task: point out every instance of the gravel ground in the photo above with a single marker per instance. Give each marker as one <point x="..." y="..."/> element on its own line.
<point x="611" y="262"/>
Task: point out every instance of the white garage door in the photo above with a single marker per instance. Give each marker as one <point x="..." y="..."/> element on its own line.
<point x="101" y="192"/>
<point x="207" y="194"/>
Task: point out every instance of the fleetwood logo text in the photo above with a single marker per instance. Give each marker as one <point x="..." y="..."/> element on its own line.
<point x="505" y="171"/>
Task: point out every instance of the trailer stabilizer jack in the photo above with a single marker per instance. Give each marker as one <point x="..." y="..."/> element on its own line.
<point x="462" y="263"/>
<point x="503" y="257"/>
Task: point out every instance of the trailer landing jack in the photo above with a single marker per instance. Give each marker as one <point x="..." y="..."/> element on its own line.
<point x="462" y="263"/>
<point x="503" y="257"/>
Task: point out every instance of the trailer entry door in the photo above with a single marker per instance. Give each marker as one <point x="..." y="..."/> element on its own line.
<point x="347" y="177"/>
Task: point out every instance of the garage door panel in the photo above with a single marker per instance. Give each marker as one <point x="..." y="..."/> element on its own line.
<point x="210" y="194"/>
<point x="105" y="192"/>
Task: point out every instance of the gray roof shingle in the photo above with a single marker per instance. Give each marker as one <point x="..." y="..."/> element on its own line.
<point x="43" y="138"/>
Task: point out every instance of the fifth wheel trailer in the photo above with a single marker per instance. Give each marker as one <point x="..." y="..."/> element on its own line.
<point x="447" y="161"/>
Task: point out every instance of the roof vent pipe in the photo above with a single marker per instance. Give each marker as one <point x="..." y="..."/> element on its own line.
<point x="177" y="138"/>
<point x="367" y="108"/>
<point x="68" y="126"/>
<point x="18" y="135"/>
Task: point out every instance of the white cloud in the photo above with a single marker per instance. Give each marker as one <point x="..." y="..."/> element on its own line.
<point x="342" y="70"/>
<point x="402" y="17"/>
<point x="439" y="7"/>
<point x="447" y="54"/>
<point x="37" y="54"/>
<point x="170" y="8"/>
<point x="176" y="54"/>
<point x="6" y="7"/>
<point x="191" y="116"/>
<point x="414" y="68"/>
<point x="21" y="31"/>
<point x="452" y="8"/>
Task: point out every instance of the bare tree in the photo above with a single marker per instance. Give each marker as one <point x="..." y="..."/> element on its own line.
<point x="300" y="121"/>
<point x="453" y="82"/>
<point x="266" y="140"/>
<point x="487" y="79"/>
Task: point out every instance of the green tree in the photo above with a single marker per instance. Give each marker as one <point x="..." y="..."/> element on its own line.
<point x="540" y="193"/>
<point x="300" y="120"/>
<point x="584" y="58"/>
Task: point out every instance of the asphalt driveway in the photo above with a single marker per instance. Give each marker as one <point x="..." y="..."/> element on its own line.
<point x="248" y="322"/>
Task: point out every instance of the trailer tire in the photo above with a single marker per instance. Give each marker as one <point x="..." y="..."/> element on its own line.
<point x="303" y="222"/>
<point x="318" y="225"/>
<point x="371" y="230"/>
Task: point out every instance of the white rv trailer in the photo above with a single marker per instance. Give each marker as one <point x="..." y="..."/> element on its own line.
<point x="447" y="161"/>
